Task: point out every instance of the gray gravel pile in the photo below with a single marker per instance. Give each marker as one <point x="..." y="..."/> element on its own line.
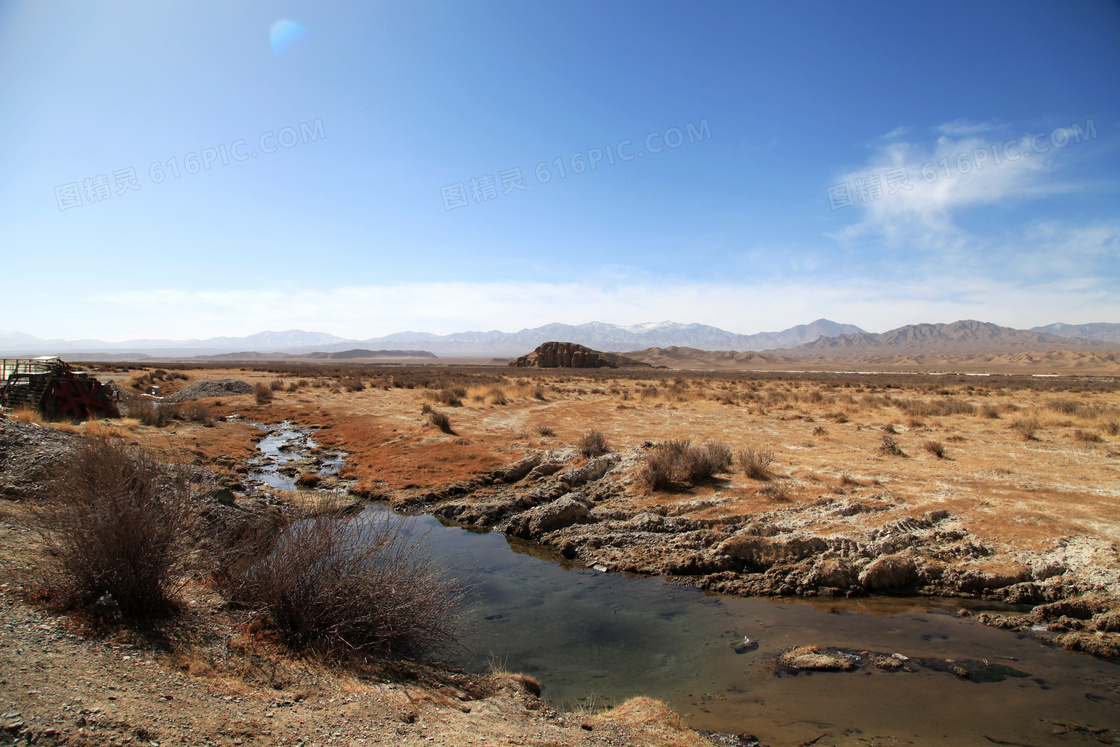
<point x="211" y="388"/>
<point x="28" y="452"/>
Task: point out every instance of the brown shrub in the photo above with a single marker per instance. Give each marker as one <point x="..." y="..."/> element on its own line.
<point x="355" y="587"/>
<point x="118" y="525"/>
<point x="935" y="447"/>
<point x="263" y="394"/>
<point x="593" y="443"/>
<point x="1026" y="428"/>
<point x="755" y="463"/>
<point x="889" y="447"/>
<point x="681" y="462"/>
<point x="440" y="420"/>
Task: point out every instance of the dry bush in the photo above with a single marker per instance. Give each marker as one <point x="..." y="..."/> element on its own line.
<point x="657" y="471"/>
<point x="425" y="408"/>
<point x="450" y="397"/>
<point x="196" y="412"/>
<point x="820" y="431"/>
<point x="118" y="525"/>
<point x="936" y="408"/>
<point x="680" y="462"/>
<point x="1111" y="427"/>
<point x="1087" y="436"/>
<point x="755" y="463"/>
<point x="889" y="447"/>
<point x="1069" y="407"/>
<point x="545" y="431"/>
<point x="593" y="443"/>
<point x="440" y="420"/>
<point x="355" y="587"/>
<point x="497" y="396"/>
<point x="353" y="384"/>
<point x="935" y="447"/>
<point x="1026" y="428"/>
<point x="263" y="394"/>
<point x="990" y="411"/>
<point x="776" y="491"/>
<point x="276" y="385"/>
<point x="149" y="413"/>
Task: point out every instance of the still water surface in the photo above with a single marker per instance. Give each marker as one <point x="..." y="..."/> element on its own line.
<point x="594" y="639"/>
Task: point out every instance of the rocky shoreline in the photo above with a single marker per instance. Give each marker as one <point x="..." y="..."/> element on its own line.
<point x="591" y="510"/>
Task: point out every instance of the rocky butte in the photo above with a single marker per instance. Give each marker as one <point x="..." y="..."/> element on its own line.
<point x="571" y="355"/>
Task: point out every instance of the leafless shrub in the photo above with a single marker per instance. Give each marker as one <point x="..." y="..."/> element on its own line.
<point x="263" y="394"/>
<point x="935" y="447"/>
<point x="889" y="447"/>
<point x="440" y="420"/>
<point x="450" y="397"/>
<point x="118" y="526"/>
<point x="820" y="431"/>
<point x="425" y="408"/>
<point x="889" y="428"/>
<point x="593" y="443"/>
<point x="353" y="384"/>
<point x="658" y="469"/>
<point x="1111" y="427"/>
<point x="195" y="411"/>
<point x="355" y="587"/>
<point x="776" y="491"/>
<point x="497" y="396"/>
<point x="1087" y="436"/>
<point x="755" y="463"/>
<point x="149" y="413"/>
<point x="1067" y="407"/>
<point x="990" y="411"/>
<point x="1026" y="428"/>
<point x="545" y="431"/>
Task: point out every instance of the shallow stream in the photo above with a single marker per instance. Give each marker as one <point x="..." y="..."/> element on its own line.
<point x="594" y="639"/>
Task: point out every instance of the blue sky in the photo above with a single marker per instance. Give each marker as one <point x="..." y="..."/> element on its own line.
<point x="356" y="172"/>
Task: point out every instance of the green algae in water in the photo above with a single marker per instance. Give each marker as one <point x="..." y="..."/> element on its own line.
<point x="996" y="673"/>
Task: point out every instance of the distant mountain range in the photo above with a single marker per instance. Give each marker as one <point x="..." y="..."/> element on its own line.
<point x="1099" y="331"/>
<point x="819" y="337"/>
<point x="597" y="335"/>
<point x="966" y="336"/>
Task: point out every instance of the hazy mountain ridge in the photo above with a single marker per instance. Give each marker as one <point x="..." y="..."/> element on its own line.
<point x="819" y="337"/>
<point x="1105" y="331"/>
<point x="596" y="335"/>
<point x="964" y="336"/>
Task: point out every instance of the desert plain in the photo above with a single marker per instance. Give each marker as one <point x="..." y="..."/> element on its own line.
<point x="998" y="486"/>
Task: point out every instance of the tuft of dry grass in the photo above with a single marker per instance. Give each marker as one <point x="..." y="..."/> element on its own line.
<point x="1026" y="428"/>
<point x="935" y="448"/>
<point x="262" y="393"/>
<point x="681" y="462"/>
<point x="593" y="444"/>
<point x="441" y="420"/>
<point x="755" y="463"/>
<point x="889" y="447"/>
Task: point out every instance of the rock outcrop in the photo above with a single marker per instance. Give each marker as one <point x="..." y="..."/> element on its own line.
<point x="571" y="355"/>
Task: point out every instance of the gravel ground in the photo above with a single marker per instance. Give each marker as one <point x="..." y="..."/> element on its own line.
<point x="211" y="388"/>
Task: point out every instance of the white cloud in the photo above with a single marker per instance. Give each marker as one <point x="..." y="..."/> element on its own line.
<point x="913" y="193"/>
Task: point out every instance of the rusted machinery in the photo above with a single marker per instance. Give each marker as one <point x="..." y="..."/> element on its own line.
<point x="54" y="388"/>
